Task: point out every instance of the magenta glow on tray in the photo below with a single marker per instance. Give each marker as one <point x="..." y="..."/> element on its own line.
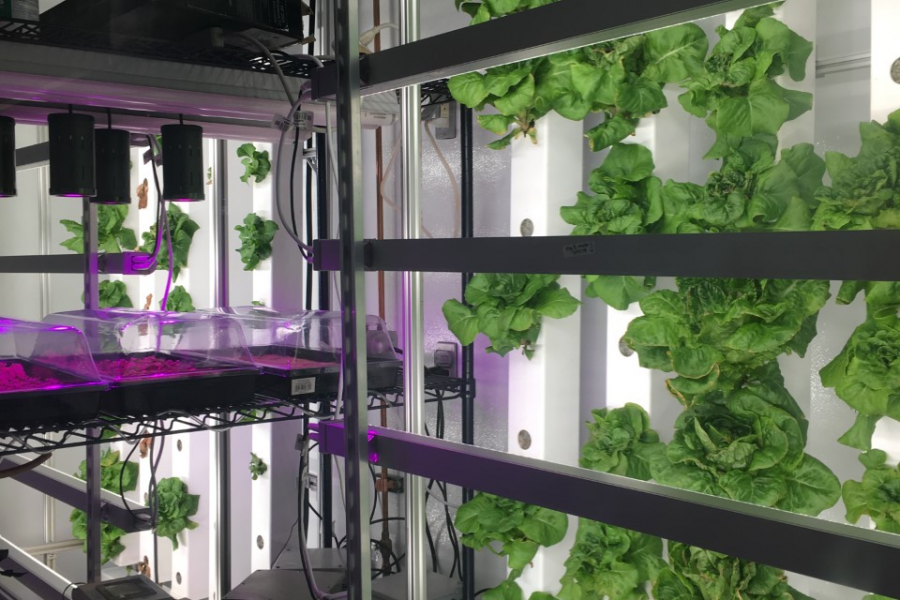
<point x="148" y="366"/>
<point x="13" y="377"/>
<point x="290" y="362"/>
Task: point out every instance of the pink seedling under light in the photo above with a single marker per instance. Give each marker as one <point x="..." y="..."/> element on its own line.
<point x="145" y="367"/>
<point x="13" y="377"/>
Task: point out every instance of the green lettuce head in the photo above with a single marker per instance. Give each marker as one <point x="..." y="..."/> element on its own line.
<point x="749" y="450"/>
<point x="877" y="495"/>
<point x="620" y="442"/>
<point x="715" y="333"/>
<point x="697" y="574"/>
<point x="610" y="562"/>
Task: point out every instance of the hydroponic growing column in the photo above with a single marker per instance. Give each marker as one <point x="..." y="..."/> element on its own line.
<point x="544" y="392"/>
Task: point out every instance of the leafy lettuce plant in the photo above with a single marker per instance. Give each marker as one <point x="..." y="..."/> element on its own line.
<point x="865" y="190"/>
<point x="113" y="294"/>
<point x="746" y="449"/>
<point x="112" y="236"/>
<point x="110" y="536"/>
<point x="610" y="562"/>
<point x="509" y="528"/>
<point x="750" y="192"/>
<point x="697" y="574"/>
<point x="258" y="466"/>
<point x="626" y="200"/>
<point x="866" y="375"/>
<point x="182" y="229"/>
<point x="179" y="301"/>
<point x="714" y="333"/>
<point x="256" y="164"/>
<point x="622" y="78"/>
<point x="490" y="9"/>
<point x="737" y="93"/>
<point x="112" y="472"/>
<point x="256" y="237"/>
<point x="620" y="442"/>
<point x="508" y="309"/>
<point x="176" y="506"/>
<point x="877" y="495"/>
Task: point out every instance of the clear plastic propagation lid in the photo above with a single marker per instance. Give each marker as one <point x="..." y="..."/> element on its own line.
<point x="39" y="357"/>
<point x="284" y="343"/>
<point x="132" y="345"/>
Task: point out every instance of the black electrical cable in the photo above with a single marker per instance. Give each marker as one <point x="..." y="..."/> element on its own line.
<point x="300" y="531"/>
<point x="375" y="485"/>
<point x="480" y="592"/>
<point x="293" y="171"/>
<point x="288" y="541"/>
<point x="308" y="205"/>
<point x="434" y="561"/>
<point x="122" y="480"/>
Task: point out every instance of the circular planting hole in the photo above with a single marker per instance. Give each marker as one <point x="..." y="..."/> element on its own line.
<point x="524" y="440"/>
<point x="527" y="228"/>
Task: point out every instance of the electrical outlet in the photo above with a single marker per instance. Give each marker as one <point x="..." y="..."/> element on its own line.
<point x="446" y="357"/>
<point x="443" y="116"/>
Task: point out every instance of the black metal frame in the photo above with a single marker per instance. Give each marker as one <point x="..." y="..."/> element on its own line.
<point x="836" y="552"/>
<point x="835" y="255"/>
<point x="833" y="552"/>
<point x="537" y="32"/>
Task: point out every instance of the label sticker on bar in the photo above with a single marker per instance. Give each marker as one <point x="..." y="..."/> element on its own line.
<point x="303" y="386"/>
<point x="578" y="249"/>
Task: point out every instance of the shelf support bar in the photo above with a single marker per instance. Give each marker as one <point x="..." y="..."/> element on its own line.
<point x="221" y="447"/>
<point x="92" y="458"/>
<point x="413" y="310"/>
<point x="353" y="304"/>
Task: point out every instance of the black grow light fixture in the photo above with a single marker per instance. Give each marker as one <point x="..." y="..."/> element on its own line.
<point x="72" y="170"/>
<point x="7" y="157"/>
<point x="113" y="165"/>
<point x="182" y="155"/>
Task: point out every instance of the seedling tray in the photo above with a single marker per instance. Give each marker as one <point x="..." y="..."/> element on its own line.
<point x="292" y="374"/>
<point x="192" y="383"/>
<point x="63" y="398"/>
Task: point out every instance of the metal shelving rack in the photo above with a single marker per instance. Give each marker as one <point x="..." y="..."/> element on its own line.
<point x="232" y="93"/>
<point x="833" y="552"/>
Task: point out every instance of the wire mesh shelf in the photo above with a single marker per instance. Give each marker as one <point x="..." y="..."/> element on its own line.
<point x="32" y="32"/>
<point x="107" y="427"/>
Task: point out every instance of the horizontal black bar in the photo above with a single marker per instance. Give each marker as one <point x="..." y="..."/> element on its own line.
<point x="836" y="552"/>
<point x="537" y="32"/>
<point x="73" y="491"/>
<point x="33" y="156"/>
<point x="118" y="263"/>
<point x="833" y="255"/>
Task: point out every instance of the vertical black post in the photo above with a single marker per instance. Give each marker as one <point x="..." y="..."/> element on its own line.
<point x="322" y="211"/>
<point x="354" y="368"/>
<point x="468" y="352"/>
